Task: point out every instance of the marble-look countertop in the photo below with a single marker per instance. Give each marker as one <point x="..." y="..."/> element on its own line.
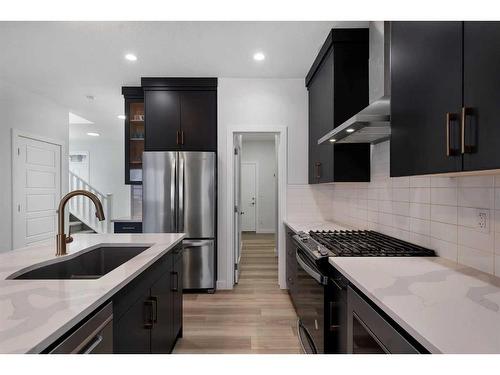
<point x="447" y="307"/>
<point x="35" y="313"/>
<point x="127" y="219"/>
<point x="298" y="225"/>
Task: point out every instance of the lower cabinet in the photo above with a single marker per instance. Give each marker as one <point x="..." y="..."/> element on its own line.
<point x="128" y="227"/>
<point x="177" y="285"/>
<point x="162" y="319"/>
<point x="148" y="311"/>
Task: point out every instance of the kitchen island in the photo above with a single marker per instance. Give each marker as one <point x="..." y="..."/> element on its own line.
<point x="34" y="314"/>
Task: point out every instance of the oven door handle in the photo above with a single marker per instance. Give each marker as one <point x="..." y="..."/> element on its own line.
<point x="301" y="328"/>
<point x="310" y="271"/>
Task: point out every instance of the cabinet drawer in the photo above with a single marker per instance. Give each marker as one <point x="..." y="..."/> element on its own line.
<point x="128" y="227"/>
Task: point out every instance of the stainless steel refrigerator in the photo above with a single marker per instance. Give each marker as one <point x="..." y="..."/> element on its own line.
<point x="179" y="195"/>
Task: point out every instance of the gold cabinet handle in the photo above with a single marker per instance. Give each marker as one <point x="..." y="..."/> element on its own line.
<point x="465" y="148"/>
<point x="318" y="175"/>
<point x="449" y="118"/>
<point x="462" y="129"/>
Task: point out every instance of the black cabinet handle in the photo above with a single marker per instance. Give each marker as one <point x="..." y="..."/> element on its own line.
<point x="177" y="137"/>
<point x="182" y="137"/>
<point x="154" y="300"/>
<point x="148" y="309"/>
<point x="176" y="278"/>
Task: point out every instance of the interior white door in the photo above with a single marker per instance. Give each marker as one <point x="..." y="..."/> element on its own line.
<point x="248" y="196"/>
<point x="36" y="190"/>
<point x="79" y="164"/>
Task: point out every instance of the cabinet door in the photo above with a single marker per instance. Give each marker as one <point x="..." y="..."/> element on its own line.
<point x="162" y="118"/>
<point x="131" y="333"/>
<point x="162" y="334"/>
<point x="481" y="95"/>
<point x="134" y="140"/>
<point x="321" y="122"/>
<point x="177" y="297"/>
<point x="426" y="84"/>
<point x="199" y="120"/>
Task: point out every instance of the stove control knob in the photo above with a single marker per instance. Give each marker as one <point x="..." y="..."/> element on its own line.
<point x="322" y="251"/>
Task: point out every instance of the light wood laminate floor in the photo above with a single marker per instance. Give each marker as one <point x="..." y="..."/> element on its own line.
<point x="255" y="317"/>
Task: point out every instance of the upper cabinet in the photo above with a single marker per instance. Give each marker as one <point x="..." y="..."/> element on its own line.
<point x="444" y="87"/>
<point x="180" y="114"/>
<point x="134" y="134"/>
<point x="481" y="96"/>
<point x="338" y="88"/>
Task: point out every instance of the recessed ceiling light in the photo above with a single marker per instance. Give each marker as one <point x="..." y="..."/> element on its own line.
<point x="93" y="134"/>
<point x="131" y="57"/>
<point x="350" y="130"/>
<point x="121" y="117"/>
<point x="259" y="56"/>
<point x="332" y="140"/>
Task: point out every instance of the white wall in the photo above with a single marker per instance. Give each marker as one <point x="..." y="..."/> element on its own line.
<point x="264" y="154"/>
<point x="107" y="156"/>
<point x="33" y="114"/>
<point x="263" y="102"/>
<point x="437" y="212"/>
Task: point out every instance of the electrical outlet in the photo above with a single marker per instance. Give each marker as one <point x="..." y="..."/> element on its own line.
<point x="483" y="220"/>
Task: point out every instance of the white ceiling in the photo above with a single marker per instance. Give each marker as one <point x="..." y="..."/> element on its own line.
<point x="67" y="61"/>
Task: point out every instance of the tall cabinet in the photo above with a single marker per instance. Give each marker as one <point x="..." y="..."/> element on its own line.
<point x="134" y="134"/>
<point x="444" y="97"/>
<point x="337" y="84"/>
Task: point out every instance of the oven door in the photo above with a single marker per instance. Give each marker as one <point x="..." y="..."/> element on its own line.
<point x="309" y="299"/>
<point x="368" y="332"/>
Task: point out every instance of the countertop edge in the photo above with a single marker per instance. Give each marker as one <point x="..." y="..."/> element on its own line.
<point x="58" y="333"/>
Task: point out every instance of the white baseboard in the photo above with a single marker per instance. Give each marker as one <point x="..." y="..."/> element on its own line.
<point x="221" y="285"/>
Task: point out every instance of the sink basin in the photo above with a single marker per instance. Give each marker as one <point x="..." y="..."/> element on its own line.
<point x="91" y="264"/>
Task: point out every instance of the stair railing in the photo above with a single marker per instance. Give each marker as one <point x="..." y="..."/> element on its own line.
<point x="83" y="209"/>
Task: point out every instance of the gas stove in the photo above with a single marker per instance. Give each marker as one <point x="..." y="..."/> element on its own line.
<point x="357" y="243"/>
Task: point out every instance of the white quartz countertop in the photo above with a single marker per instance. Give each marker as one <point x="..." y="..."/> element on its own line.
<point x="305" y="226"/>
<point x="35" y="313"/>
<point x="447" y="307"/>
<point x="127" y="219"/>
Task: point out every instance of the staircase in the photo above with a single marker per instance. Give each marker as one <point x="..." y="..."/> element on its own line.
<point x="76" y="226"/>
<point x="82" y="210"/>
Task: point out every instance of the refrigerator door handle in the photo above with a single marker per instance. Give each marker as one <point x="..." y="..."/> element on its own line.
<point x="180" y="220"/>
<point x="172" y="194"/>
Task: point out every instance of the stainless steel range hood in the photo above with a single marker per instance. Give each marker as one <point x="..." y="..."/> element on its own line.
<point x="373" y="123"/>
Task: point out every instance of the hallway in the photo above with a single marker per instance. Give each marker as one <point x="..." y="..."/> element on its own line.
<point x="255" y="317"/>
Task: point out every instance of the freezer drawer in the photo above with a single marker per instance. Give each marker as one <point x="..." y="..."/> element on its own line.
<point x="199" y="264"/>
<point x="196" y="190"/>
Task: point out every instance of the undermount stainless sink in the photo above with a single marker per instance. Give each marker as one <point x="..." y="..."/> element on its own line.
<point x="91" y="264"/>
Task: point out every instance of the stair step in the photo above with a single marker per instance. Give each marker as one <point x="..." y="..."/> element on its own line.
<point x="74" y="223"/>
<point x="85" y="231"/>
